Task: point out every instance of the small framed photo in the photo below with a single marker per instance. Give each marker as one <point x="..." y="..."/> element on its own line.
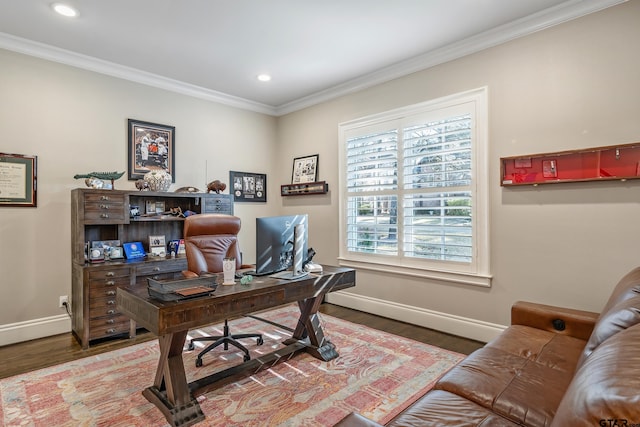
<point x="18" y="180"/>
<point x="159" y="207"/>
<point x="305" y="169"/>
<point x="157" y="241"/>
<point x="151" y="147"/>
<point x="248" y="187"/>
<point x="150" y="207"/>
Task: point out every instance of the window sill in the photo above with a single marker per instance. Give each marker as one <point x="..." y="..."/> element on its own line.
<point x="445" y="276"/>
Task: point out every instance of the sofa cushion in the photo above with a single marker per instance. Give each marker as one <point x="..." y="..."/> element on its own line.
<point x="441" y="408"/>
<point x="548" y="348"/>
<point x="482" y="376"/>
<point x="521" y="375"/>
<point x="606" y="386"/>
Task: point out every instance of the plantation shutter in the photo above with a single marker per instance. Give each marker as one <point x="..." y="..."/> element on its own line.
<point x="434" y="187"/>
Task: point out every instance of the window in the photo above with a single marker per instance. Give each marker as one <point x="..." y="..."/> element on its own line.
<point x="414" y="188"/>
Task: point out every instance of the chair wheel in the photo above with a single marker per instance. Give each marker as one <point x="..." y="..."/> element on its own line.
<point x="260" y="341"/>
<point x="198" y="363"/>
<point x="191" y="346"/>
<point x="247" y="357"/>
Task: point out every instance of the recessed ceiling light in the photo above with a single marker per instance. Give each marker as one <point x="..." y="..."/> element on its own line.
<point x="264" y="77"/>
<point x="65" y="10"/>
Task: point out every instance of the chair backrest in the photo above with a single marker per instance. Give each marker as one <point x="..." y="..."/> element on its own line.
<point x="208" y="239"/>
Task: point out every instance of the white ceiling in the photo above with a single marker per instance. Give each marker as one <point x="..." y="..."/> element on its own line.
<point x="314" y="50"/>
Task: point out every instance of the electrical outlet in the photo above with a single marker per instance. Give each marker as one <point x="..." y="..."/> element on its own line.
<point x="63" y="299"/>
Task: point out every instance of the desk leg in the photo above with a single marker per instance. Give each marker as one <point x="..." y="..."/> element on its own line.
<point x="310" y="330"/>
<point x="170" y="390"/>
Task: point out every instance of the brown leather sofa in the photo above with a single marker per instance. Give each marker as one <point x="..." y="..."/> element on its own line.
<point x="552" y="367"/>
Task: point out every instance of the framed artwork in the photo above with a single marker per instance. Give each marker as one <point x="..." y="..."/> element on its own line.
<point x="248" y="187"/>
<point x="18" y="180"/>
<point x="305" y="169"/>
<point x="151" y="146"/>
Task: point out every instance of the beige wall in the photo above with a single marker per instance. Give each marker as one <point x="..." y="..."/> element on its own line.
<point x="572" y="86"/>
<point x="569" y="87"/>
<point x="75" y="121"/>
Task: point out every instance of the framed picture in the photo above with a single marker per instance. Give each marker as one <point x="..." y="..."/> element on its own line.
<point x="151" y="147"/>
<point x="305" y="169"/>
<point x="248" y="187"/>
<point x="18" y="180"/>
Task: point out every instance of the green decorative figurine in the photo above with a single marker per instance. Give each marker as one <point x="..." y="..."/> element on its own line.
<point x="99" y="175"/>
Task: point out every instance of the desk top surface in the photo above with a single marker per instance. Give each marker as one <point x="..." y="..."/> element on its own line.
<point x="228" y="301"/>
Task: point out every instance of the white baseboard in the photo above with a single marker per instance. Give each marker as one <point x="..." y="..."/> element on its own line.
<point x="451" y="324"/>
<point x="456" y="325"/>
<point x="33" y="329"/>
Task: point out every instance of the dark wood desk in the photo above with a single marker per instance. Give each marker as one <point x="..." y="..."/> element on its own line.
<point x="171" y="321"/>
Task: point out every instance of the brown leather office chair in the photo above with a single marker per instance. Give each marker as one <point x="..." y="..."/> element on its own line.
<point x="208" y="239"/>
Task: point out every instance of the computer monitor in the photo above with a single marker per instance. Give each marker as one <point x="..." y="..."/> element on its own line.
<point x="281" y="243"/>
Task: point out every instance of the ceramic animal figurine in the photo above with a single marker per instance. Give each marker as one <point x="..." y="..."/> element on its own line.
<point x="142" y="185"/>
<point x="216" y="186"/>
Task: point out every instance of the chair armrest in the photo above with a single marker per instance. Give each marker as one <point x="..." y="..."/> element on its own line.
<point x="356" y="420"/>
<point x="575" y="323"/>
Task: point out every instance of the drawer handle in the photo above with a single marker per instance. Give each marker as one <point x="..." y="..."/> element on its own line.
<point x="156" y="269"/>
<point x="155" y="277"/>
<point x="111" y="312"/>
<point x="110" y="282"/>
<point x="111" y="331"/>
<point x="105" y="216"/>
<point x="111" y="293"/>
<point x="110" y="274"/>
<point x="104" y="198"/>
<point x="110" y="321"/>
<point x="104" y="206"/>
<point x="111" y="302"/>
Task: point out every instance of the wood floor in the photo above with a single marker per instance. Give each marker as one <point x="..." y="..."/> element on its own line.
<point x="41" y="353"/>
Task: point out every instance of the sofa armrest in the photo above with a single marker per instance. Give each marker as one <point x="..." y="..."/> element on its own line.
<point x="356" y="420"/>
<point x="575" y="323"/>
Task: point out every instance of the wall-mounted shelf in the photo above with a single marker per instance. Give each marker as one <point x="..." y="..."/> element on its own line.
<point x="616" y="162"/>
<point x="307" y="188"/>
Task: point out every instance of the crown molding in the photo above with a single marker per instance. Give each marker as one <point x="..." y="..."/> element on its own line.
<point x="63" y="56"/>
<point x="559" y="14"/>
<point x="542" y="20"/>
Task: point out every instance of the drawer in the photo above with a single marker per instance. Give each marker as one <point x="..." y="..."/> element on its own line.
<point x="102" y="291"/>
<point x="105" y="211"/>
<point x="104" y="310"/>
<point x="217" y="204"/>
<point x="99" y="322"/>
<point x="109" y="273"/>
<point x="104" y="197"/>
<point x="168" y="266"/>
<point x="110" y="283"/>
<point x="109" y="330"/>
<point x="102" y="305"/>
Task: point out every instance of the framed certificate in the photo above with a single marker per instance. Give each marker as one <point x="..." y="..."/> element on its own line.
<point x="18" y="180"/>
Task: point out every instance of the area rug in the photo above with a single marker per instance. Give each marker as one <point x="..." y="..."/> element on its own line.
<point x="377" y="374"/>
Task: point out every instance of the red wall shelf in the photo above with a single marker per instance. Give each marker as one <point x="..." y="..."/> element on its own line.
<point x="615" y="162"/>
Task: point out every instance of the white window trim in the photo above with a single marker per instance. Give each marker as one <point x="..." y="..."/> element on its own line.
<point x="479" y="274"/>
